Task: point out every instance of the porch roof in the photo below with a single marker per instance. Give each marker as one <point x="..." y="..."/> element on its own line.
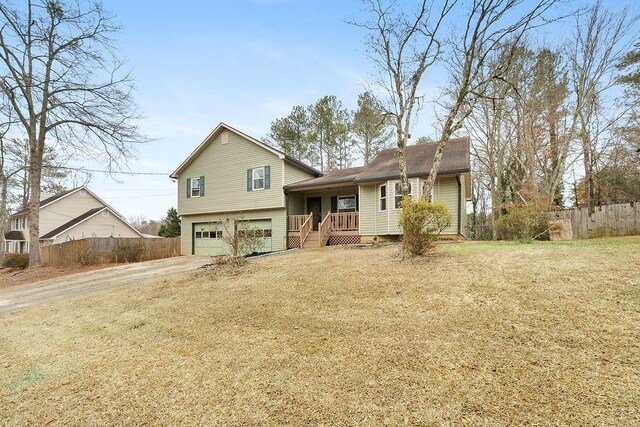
<point x="334" y="178"/>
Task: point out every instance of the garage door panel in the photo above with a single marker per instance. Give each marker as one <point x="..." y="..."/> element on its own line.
<point x="262" y="227"/>
<point x="207" y="239"/>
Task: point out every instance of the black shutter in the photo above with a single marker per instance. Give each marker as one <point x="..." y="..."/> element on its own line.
<point x="249" y="179"/>
<point x="357" y="202"/>
<point x="202" y="186"/>
<point x="267" y="177"/>
<point x="334" y="204"/>
<point x="188" y="187"/>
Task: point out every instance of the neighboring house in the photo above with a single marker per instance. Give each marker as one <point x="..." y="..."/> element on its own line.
<point x="233" y="180"/>
<point x="70" y="215"/>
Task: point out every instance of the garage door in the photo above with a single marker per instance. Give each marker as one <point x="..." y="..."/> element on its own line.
<point x="261" y="228"/>
<point x="207" y="239"/>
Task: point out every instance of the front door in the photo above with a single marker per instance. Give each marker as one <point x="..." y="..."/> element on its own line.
<point x="314" y="205"/>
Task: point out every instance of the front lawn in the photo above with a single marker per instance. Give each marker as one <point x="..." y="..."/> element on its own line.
<point x="492" y="334"/>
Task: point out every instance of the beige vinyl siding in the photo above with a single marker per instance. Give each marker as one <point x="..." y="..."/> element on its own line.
<point x="375" y="222"/>
<point x="296" y="204"/>
<point x="65" y="209"/>
<point x="463" y="206"/>
<point x="294" y="174"/>
<point x="278" y="219"/>
<point x="446" y="191"/>
<point x="98" y="226"/>
<point x="368" y="209"/>
<point x="224" y="167"/>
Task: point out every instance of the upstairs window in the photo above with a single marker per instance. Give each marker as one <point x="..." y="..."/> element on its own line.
<point x="383" y="197"/>
<point x="398" y="194"/>
<point x="258" y="179"/>
<point x="195" y="187"/>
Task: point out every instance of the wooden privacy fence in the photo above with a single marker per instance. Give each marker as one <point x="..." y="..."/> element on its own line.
<point x="609" y="220"/>
<point x="108" y="250"/>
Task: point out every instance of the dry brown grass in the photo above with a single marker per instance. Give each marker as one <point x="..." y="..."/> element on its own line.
<point x="9" y="277"/>
<point x="483" y="334"/>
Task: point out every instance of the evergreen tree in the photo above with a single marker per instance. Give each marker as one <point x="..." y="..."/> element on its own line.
<point x="172" y="224"/>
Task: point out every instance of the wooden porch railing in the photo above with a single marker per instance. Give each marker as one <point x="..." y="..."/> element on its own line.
<point x="324" y="228"/>
<point x="345" y="221"/>
<point x="305" y="228"/>
<point x="296" y="221"/>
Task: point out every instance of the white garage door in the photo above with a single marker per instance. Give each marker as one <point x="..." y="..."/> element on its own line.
<point x="207" y="238"/>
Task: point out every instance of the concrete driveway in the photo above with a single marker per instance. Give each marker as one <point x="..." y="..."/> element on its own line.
<point x="23" y="296"/>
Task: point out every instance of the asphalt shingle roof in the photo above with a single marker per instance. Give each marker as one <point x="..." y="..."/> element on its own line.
<point x="455" y="159"/>
<point x="67" y="225"/>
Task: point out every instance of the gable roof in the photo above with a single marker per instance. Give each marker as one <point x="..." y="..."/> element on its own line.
<point x="455" y="159"/>
<point x="84" y="217"/>
<point x="49" y="200"/>
<point x="222" y="126"/>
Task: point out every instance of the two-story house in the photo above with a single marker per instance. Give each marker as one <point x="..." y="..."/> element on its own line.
<point x="232" y="177"/>
<point x="74" y="214"/>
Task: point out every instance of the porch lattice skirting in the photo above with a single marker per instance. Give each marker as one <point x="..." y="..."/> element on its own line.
<point x="293" y="242"/>
<point x="344" y="240"/>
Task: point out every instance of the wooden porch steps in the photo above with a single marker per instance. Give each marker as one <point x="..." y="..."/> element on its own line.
<point x="312" y="241"/>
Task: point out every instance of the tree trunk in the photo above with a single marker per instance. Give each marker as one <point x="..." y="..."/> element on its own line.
<point x="35" y="178"/>
<point x="402" y="159"/>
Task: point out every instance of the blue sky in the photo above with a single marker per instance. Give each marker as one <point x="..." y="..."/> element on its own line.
<point x="244" y="62"/>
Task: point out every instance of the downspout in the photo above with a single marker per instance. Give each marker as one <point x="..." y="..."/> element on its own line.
<point x="459" y="203"/>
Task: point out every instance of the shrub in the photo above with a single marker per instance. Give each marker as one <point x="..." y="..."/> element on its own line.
<point x="85" y="255"/>
<point x="422" y="221"/>
<point x="16" y="261"/>
<point x="130" y="251"/>
<point x="525" y="222"/>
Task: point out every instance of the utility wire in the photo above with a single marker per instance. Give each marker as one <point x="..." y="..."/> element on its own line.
<point x="109" y="172"/>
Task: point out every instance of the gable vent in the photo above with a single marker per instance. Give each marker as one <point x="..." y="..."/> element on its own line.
<point x="224" y="138"/>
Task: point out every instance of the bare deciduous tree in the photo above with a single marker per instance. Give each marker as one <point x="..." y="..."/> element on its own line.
<point x="489" y="27"/>
<point x="403" y="45"/>
<point x="60" y="73"/>
<point x="601" y="42"/>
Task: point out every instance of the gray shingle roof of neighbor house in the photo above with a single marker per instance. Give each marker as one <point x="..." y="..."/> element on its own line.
<point x="455" y="159"/>
<point x="48" y="200"/>
<point x="67" y="225"/>
<point x="13" y="235"/>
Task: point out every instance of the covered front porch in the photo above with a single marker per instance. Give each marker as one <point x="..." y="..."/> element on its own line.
<point x="320" y="217"/>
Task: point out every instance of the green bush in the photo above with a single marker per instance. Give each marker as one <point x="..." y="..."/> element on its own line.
<point x="16" y="261"/>
<point x="525" y="222"/>
<point x="422" y="221"/>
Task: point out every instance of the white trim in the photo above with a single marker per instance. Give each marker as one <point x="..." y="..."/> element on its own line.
<point x="191" y="196"/>
<point x="394" y="193"/>
<point x="379" y="197"/>
<point x="253" y="178"/>
<point x="231" y="212"/>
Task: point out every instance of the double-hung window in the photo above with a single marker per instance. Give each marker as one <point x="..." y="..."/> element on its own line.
<point x="195" y="187"/>
<point x="383" y="197"/>
<point x="258" y="179"/>
<point x="397" y="194"/>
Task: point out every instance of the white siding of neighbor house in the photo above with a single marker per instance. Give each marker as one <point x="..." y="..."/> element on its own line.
<point x="98" y="225"/>
<point x="278" y="219"/>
